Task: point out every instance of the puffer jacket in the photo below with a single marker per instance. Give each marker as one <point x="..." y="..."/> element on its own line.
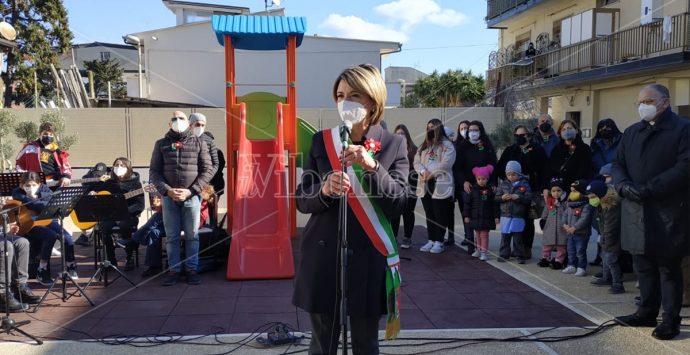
<point x="609" y="221"/>
<point x="580" y="215"/>
<point x="135" y="204"/>
<point x="514" y="208"/>
<point x="481" y="208"/>
<point x="553" y="232"/>
<point x="180" y="160"/>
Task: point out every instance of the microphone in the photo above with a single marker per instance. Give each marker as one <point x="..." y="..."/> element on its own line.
<point x="345" y="129"/>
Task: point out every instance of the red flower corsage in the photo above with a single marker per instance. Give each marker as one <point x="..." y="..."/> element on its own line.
<point x="571" y="148"/>
<point x="522" y="189"/>
<point x="176" y="146"/>
<point x="372" y="146"/>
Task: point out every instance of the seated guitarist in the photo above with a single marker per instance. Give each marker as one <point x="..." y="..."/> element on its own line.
<point x="122" y="180"/>
<point x="18" y="254"/>
<point x="35" y="196"/>
<point x="44" y="155"/>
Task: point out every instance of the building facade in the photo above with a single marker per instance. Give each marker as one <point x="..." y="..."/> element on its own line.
<point x="591" y="57"/>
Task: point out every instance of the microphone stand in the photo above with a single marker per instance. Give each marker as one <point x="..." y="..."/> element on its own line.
<point x="9" y="324"/>
<point x="342" y="233"/>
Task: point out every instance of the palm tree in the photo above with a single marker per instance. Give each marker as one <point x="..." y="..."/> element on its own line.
<point x="453" y="88"/>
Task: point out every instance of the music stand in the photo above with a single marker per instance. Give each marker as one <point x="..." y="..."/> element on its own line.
<point x="99" y="208"/>
<point x="9" y="182"/>
<point x="59" y="206"/>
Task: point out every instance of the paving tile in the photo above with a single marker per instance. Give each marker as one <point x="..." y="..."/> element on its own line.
<point x="494" y="300"/>
<point x="142" y="309"/>
<point x="263" y="288"/>
<point x="192" y="306"/>
<point x="460" y="318"/>
<point x="140" y="326"/>
<point x="473" y="286"/>
<point x="198" y="324"/>
<point x="264" y="305"/>
<point x="539" y="299"/>
<point x="226" y="289"/>
<point x="413" y="319"/>
<point x="524" y="317"/>
<point x="243" y="322"/>
<point x="154" y="292"/>
<point x="441" y="300"/>
<point x="433" y="287"/>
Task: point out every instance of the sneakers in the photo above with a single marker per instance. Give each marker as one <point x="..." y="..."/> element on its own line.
<point x="601" y="282"/>
<point x="193" y="278"/>
<point x="55" y="253"/>
<point x="616" y="290"/>
<point x="72" y="271"/>
<point x="543" y="263"/>
<point x="171" y="278"/>
<point x="555" y="265"/>
<point x="406" y="243"/>
<point x="43" y="277"/>
<point x="569" y="270"/>
<point x="580" y="272"/>
<point x="426" y="247"/>
<point x="483" y="256"/>
<point x="12" y="304"/>
<point x="24" y="293"/>
<point x="438" y="248"/>
<point x="476" y="254"/>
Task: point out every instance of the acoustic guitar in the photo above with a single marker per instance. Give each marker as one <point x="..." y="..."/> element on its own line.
<point x="24" y="217"/>
<point x="51" y="182"/>
<point x="127" y="195"/>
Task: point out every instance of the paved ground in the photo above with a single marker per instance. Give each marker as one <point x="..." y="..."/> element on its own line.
<point x="477" y="318"/>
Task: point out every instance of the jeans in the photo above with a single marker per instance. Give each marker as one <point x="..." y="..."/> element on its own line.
<point x="46" y="237"/>
<point x="518" y="247"/>
<point x="407" y="217"/>
<point x="18" y="259"/>
<point x="661" y="284"/>
<point x="326" y="333"/>
<point x="151" y="234"/>
<point x="577" y="250"/>
<point x="178" y="217"/>
<point x="611" y="270"/>
<point x="436" y="211"/>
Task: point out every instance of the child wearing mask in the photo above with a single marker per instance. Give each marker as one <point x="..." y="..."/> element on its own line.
<point x="514" y="196"/>
<point x="481" y="210"/>
<point x="577" y="222"/>
<point x="607" y="203"/>
<point x="554" y="236"/>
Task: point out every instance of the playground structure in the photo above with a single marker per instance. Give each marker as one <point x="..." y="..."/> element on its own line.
<point x="259" y="128"/>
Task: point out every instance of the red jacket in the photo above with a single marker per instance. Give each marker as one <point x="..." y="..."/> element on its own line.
<point x="28" y="159"/>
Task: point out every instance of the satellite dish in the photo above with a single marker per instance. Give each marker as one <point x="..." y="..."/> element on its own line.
<point x="7" y="31"/>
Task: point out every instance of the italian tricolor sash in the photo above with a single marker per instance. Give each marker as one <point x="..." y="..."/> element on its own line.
<point x="375" y="224"/>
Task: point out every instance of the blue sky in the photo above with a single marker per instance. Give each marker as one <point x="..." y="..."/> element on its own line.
<point x="436" y="34"/>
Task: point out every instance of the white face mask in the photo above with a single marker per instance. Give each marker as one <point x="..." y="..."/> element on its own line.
<point x="180" y="126"/>
<point x="647" y="112"/>
<point x="31" y="190"/>
<point x="474" y="137"/>
<point x="120" y="171"/>
<point x="198" y="131"/>
<point x="351" y="111"/>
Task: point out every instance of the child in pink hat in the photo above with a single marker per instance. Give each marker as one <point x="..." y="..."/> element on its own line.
<point x="481" y="210"/>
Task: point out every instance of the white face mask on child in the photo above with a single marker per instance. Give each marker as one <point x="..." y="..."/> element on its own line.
<point x="31" y="190"/>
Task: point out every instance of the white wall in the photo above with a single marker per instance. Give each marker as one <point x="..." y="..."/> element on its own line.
<point x="126" y="57"/>
<point x="186" y="64"/>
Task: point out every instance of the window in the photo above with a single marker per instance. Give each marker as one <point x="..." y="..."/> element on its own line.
<point x="602" y="3"/>
<point x="556" y="32"/>
<point x="574" y="116"/>
<point x="105" y="55"/>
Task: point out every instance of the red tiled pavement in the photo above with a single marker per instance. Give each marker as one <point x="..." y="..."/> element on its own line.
<point x="445" y="291"/>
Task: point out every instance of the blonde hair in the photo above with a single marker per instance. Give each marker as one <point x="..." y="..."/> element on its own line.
<point x="365" y="79"/>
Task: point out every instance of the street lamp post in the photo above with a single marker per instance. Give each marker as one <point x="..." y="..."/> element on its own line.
<point x="402" y="92"/>
<point x="134" y="40"/>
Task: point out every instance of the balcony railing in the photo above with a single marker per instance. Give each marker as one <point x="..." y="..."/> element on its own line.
<point x="497" y="7"/>
<point x="631" y="44"/>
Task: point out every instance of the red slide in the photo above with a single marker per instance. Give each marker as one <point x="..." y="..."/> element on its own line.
<point x="261" y="247"/>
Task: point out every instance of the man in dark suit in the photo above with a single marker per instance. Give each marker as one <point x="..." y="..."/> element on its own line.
<point x="651" y="174"/>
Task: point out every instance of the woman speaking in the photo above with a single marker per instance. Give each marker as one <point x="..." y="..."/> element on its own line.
<point x="375" y="188"/>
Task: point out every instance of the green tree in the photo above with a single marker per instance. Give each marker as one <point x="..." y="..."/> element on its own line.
<point x="453" y="88"/>
<point x="26" y="131"/>
<point x="503" y="134"/>
<point x="7" y="123"/>
<point x="42" y="32"/>
<point x="105" y="71"/>
<point x="58" y="120"/>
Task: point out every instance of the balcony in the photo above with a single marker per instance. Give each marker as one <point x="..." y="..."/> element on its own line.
<point x="500" y="10"/>
<point x="602" y="56"/>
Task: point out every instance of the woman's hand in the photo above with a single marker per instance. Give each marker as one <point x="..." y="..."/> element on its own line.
<point x="64" y="182"/>
<point x="357" y="154"/>
<point x="467" y="187"/>
<point x="337" y="184"/>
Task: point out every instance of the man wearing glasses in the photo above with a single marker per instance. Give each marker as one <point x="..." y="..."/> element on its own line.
<point x="180" y="167"/>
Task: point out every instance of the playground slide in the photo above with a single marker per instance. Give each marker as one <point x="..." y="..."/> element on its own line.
<point x="261" y="244"/>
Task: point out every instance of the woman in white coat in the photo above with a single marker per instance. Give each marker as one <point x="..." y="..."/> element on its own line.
<point x="434" y="164"/>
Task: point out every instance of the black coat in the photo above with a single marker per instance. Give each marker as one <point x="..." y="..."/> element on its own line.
<point x="316" y="283"/>
<point x="135" y="204"/>
<point x="467" y="157"/>
<point x="571" y="165"/>
<point x="481" y="208"/>
<point x="656" y="157"/>
<point x="187" y="167"/>
<point x="533" y="162"/>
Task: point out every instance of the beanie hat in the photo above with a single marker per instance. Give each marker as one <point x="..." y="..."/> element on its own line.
<point x="514" y="166"/>
<point x="99" y="170"/>
<point x="556" y="182"/>
<point x="580" y="186"/>
<point x="197" y="117"/>
<point x="606" y="169"/>
<point x="484" y="171"/>
<point x="597" y="187"/>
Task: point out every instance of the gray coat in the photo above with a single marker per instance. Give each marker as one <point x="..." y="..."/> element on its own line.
<point x="553" y="232"/>
<point x="188" y="166"/>
<point x="580" y="214"/>
<point x="514" y="208"/>
<point x="656" y="158"/>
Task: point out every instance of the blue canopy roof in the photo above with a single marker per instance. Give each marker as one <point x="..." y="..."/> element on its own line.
<point x="259" y="33"/>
